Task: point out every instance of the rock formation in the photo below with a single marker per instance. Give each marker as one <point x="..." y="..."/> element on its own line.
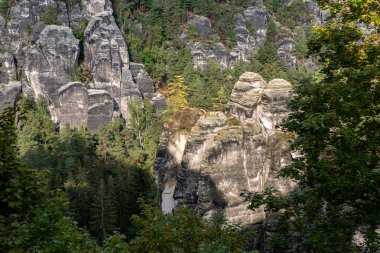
<point x="251" y="33"/>
<point x="206" y="159"/>
<point x="43" y="58"/>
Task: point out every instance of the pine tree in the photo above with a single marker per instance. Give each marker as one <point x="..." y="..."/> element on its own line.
<point x="220" y="101"/>
<point x="177" y="94"/>
<point x="37" y="136"/>
<point x="103" y="218"/>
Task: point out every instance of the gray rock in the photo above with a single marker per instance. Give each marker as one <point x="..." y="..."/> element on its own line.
<point x="47" y="55"/>
<point x="202" y="25"/>
<point x="274" y="99"/>
<point x="205" y="160"/>
<point x="106" y="55"/>
<point x="8" y="70"/>
<point x="142" y="78"/>
<point x="286" y="51"/>
<point x="93" y="7"/>
<point x="8" y="94"/>
<point x="73" y="100"/>
<point x="146" y="86"/>
<point x="159" y="103"/>
<point x="100" y="109"/>
<point x="202" y="54"/>
<point x="48" y="65"/>
<point x="250" y="30"/>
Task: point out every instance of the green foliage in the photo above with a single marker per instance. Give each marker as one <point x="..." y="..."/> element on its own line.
<point x="220" y="101"/>
<point x="104" y="173"/>
<point x="76" y="75"/>
<point x="183" y="232"/>
<point x="103" y="217"/>
<point x="50" y="15"/>
<point x="115" y="244"/>
<point x="32" y="217"/>
<point x="5" y="6"/>
<point x="79" y="32"/>
<point x="37" y="136"/>
<point x="335" y="117"/>
<point x="177" y="95"/>
<point x="290" y="15"/>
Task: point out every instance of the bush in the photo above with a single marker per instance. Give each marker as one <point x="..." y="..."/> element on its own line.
<point x="50" y="16"/>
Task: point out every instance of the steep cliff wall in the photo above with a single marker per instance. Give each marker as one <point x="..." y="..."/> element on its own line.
<point x="206" y="159"/>
<point x="46" y="60"/>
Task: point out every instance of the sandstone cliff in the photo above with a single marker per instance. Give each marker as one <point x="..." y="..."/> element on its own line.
<point x="46" y="60"/>
<point x="206" y="159"/>
<point x="251" y="33"/>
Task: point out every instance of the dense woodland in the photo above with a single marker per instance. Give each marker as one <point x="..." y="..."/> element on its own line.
<point x="77" y="191"/>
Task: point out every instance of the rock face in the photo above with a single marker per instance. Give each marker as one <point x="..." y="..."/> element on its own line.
<point x="48" y="65"/>
<point x="248" y="40"/>
<point x="251" y="28"/>
<point x="251" y="37"/>
<point x="285" y="50"/>
<point x="205" y="160"/>
<point x="146" y="87"/>
<point x="44" y="60"/>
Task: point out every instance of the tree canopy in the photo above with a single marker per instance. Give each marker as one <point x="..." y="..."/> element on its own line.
<point x="336" y="118"/>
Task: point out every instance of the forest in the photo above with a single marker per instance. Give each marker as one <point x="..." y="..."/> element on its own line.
<point x="73" y="190"/>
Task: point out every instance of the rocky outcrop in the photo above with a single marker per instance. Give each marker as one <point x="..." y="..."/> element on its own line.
<point x="206" y="159"/>
<point x="203" y="54"/>
<point x="106" y="55"/>
<point x="8" y="94"/>
<point x="48" y="64"/>
<point x="286" y="51"/>
<point x="202" y="25"/>
<point x="47" y="58"/>
<point x="146" y="87"/>
<point x="209" y="49"/>
<point x="250" y="29"/>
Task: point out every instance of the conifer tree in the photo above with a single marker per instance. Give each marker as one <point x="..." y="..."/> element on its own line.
<point x="177" y="94"/>
<point x="103" y="218"/>
<point x="220" y="101"/>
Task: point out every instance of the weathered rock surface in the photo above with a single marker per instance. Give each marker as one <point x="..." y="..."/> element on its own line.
<point x="286" y="51"/>
<point x="205" y="160"/>
<point x="251" y="28"/>
<point x="73" y="98"/>
<point x="202" y="25"/>
<point x="48" y="65"/>
<point x="106" y="55"/>
<point x="8" y="94"/>
<point x="248" y="40"/>
<point x="146" y="87"/>
<point x="203" y="54"/>
<point x="46" y="59"/>
<point x="251" y="37"/>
